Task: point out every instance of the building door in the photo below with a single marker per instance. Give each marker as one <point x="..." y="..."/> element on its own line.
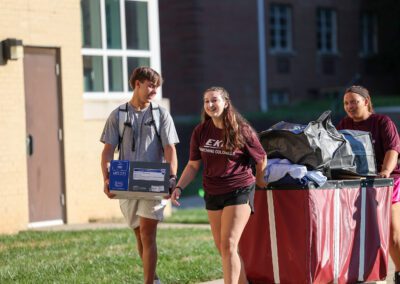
<point x="44" y="137"/>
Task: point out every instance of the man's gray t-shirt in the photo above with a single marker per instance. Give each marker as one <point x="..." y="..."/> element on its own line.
<point x="142" y="129"/>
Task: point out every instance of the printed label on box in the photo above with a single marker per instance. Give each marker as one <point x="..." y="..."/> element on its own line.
<point x="157" y="188"/>
<point x="119" y="173"/>
<point x="148" y="174"/>
<point x="120" y="166"/>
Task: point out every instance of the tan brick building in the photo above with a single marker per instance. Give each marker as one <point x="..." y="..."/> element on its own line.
<point x="82" y="85"/>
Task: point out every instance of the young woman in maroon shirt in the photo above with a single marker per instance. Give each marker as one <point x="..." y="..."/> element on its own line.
<point x="361" y="116"/>
<point x="225" y="144"/>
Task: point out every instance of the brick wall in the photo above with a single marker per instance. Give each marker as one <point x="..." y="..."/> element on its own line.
<point x="47" y="23"/>
<point x="206" y="42"/>
<point x="13" y="192"/>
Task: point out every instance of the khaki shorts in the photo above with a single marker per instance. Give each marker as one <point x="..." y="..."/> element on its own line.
<point x="133" y="209"/>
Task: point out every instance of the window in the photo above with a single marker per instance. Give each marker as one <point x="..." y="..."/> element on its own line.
<point x="91" y="31"/>
<point x="279" y="97"/>
<point x="283" y="65"/>
<point x="137" y="33"/>
<point x="113" y="25"/>
<point x="117" y="37"/>
<point x="115" y="76"/>
<point x="280" y="32"/>
<point x="93" y="73"/>
<point x="369" y="34"/>
<point x="326" y="31"/>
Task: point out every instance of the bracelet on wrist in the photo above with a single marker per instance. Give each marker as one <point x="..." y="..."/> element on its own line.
<point x="179" y="187"/>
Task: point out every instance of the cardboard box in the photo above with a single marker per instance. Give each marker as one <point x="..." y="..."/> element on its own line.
<point x="139" y="180"/>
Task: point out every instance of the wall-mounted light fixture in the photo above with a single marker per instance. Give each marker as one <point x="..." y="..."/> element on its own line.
<point x="10" y="49"/>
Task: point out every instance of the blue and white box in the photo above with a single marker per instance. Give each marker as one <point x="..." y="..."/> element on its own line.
<point x="139" y="180"/>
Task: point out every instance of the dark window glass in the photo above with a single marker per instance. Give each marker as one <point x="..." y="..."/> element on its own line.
<point x="93" y="73"/>
<point x="272" y="20"/>
<point x="368" y="33"/>
<point x="115" y="74"/>
<point x="279" y="29"/>
<point x="325" y="30"/>
<point x="113" y="24"/>
<point x="91" y="24"/>
<point x="137" y="30"/>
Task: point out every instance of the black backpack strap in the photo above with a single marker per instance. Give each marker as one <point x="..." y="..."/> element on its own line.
<point x="156" y="119"/>
<point x="123" y="119"/>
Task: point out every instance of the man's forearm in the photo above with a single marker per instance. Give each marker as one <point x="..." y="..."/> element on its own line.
<point x="104" y="168"/>
<point x="106" y="157"/>
<point x="171" y="158"/>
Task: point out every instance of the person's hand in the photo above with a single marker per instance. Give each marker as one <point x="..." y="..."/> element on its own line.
<point x="172" y="183"/>
<point x="261" y="183"/>
<point x="175" y="196"/>
<point x="384" y="174"/>
<point x="106" y="189"/>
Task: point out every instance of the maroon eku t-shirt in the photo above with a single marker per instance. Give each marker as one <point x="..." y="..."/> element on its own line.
<point x="223" y="171"/>
<point x="383" y="132"/>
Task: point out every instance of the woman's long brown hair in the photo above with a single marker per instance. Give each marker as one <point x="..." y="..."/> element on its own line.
<point x="236" y="128"/>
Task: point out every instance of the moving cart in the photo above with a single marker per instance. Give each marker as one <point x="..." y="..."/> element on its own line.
<point x="337" y="233"/>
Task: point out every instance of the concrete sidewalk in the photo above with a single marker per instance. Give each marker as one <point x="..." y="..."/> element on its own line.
<point x="219" y="281"/>
<point x="105" y="225"/>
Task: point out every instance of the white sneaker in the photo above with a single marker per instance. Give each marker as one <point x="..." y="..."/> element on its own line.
<point x="157" y="281"/>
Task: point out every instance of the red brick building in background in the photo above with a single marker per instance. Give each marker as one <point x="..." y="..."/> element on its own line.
<point x="271" y="53"/>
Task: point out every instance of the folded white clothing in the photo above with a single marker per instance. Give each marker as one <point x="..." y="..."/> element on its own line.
<point x="317" y="177"/>
<point x="276" y="170"/>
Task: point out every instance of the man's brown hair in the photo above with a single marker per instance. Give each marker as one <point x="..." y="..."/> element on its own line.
<point x="145" y="73"/>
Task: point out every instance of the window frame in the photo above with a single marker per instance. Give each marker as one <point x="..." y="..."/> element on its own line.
<point x="153" y="53"/>
<point x="289" y="30"/>
<point x="279" y="97"/>
<point x="366" y="33"/>
<point x="323" y="30"/>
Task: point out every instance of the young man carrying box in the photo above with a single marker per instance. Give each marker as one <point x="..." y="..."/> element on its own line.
<point x="141" y="141"/>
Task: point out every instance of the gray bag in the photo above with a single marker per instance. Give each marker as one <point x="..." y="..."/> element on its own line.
<point x="312" y="145"/>
<point x="356" y="156"/>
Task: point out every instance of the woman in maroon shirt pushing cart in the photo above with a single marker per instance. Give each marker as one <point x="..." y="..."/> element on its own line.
<point x="361" y="116"/>
<point x="225" y="144"/>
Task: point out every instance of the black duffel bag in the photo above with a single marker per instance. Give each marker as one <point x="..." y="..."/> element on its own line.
<point x="355" y="157"/>
<point x="312" y="145"/>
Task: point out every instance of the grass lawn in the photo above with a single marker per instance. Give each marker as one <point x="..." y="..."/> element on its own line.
<point x="188" y="216"/>
<point x="105" y="256"/>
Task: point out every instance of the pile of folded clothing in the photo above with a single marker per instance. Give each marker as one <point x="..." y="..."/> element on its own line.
<point x="283" y="172"/>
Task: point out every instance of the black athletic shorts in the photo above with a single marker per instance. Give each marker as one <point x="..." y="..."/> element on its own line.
<point x="244" y="195"/>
